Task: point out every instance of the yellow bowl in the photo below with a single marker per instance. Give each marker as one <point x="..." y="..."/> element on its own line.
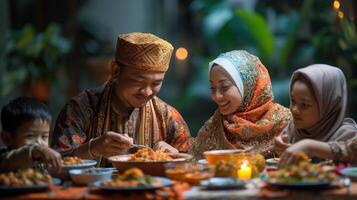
<point x="214" y="156"/>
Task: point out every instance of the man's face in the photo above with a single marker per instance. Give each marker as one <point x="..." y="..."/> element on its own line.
<point x="135" y="87"/>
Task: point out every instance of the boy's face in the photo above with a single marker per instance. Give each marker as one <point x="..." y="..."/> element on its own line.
<point x="303" y="106"/>
<point x="36" y="131"/>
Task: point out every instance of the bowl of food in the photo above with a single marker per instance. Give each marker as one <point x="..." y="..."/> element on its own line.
<point x="176" y="170"/>
<point x="87" y="176"/>
<point x="72" y="162"/>
<point x="272" y="163"/>
<point x="149" y="161"/>
<point x="197" y="172"/>
<point x="214" y="156"/>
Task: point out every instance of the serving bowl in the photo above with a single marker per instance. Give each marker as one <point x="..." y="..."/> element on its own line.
<point x="63" y="173"/>
<point x="155" y="168"/>
<point x="214" y="156"/>
<point x="87" y="176"/>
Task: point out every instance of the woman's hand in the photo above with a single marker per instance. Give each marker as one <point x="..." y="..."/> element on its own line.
<point x="163" y="146"/>
<point x="281" y="143"/>
<point x="111" y="144"/>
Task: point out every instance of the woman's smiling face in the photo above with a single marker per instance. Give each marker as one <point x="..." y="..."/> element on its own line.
<point x="224" y="91"/>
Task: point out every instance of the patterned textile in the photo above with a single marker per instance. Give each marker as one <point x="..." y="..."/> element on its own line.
<point x="90" y="114"/>
<point x="256" y="121"/>
<point x="144" y="51"/>
<point x="344" y="151"/>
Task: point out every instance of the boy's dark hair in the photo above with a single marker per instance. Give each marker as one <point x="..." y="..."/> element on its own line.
<point x="22" y="110"/>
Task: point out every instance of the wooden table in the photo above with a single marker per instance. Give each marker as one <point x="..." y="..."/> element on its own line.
<point x="250" y="193"/>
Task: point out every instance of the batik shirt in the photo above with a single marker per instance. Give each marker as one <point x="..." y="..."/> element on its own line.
<point x="90" y="114"/>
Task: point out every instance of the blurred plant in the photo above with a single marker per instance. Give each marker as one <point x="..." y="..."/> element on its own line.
<point x="285" y="35"/>
<point x="28" y="57"/>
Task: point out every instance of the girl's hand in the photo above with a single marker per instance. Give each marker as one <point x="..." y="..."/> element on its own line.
<point x="294" y="152"/>
<point x="281" y="143"/>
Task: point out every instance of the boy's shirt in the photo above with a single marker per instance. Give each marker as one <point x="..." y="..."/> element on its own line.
<point x="14" y="159"/>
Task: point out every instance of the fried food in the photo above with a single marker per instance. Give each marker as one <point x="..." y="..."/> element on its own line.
<point x="25" y="177"/>
<point x="132" y="177"/>
<point x="303" y="171"/>
<point x="72" y="160"/>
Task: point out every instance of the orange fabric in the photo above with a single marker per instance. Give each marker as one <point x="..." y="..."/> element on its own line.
<point x="258" y="107"/>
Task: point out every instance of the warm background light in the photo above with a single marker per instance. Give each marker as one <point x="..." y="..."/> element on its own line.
<point x="340" y="14"/>
<point x="181" y="53"/>
<point x="336" y="5"/>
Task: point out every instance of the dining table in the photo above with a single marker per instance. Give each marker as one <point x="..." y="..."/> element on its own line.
<point x="255" y="189"/>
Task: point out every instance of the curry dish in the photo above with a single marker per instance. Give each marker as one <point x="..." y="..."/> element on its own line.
<point x="149" y="155"/>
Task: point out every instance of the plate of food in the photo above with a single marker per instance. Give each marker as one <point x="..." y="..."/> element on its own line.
<point x="25" y="180"/>
<point x="222" y="183"/>
<point x="133" y="179"/>
<point x="74" y="162"/>
<point x="302" y="175"/>
<point x="149" y="161"/>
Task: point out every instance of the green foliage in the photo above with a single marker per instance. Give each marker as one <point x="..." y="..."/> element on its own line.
<point x="28" y="56"/>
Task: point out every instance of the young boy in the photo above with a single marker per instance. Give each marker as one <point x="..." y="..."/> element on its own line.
<point x="25" y="131"/>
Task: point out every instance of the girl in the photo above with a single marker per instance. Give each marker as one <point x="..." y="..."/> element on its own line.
<point x="318" y="105"/>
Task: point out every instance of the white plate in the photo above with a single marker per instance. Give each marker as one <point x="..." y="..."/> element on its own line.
<point x="350" y="172"/>
<point x="165" y="183"/>
<point x="222" y="183"/>
<point x="85" y="164"/>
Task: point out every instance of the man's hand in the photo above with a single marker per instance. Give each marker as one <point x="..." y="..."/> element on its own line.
<point x="50" y="157"/>
<point x="281" y="143"/>
<point x="163" y="146"/>
<point x="111" y="144"/>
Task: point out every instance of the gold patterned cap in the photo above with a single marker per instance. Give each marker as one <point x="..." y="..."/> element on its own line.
<point x="143" y="51"/>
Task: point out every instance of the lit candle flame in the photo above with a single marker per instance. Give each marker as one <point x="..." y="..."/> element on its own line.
<point x="245" y="171"/>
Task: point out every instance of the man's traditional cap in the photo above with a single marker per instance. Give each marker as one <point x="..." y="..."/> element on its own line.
<point x="143" y="51"/>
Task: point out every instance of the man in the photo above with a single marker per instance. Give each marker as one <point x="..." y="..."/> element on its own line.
<point x="104" y="122"/>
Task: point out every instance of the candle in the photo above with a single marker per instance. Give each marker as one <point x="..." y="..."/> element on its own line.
<point x="245" y="171"/>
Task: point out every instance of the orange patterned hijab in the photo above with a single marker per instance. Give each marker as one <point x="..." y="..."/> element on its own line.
<point x="256" y="121"/>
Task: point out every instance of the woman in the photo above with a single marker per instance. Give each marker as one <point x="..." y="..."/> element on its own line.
<point x="318" y="103"/>
<point x="247" y="117"/>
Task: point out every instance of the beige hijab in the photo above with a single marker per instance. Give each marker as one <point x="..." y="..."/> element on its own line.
<point x="329" y="86"/>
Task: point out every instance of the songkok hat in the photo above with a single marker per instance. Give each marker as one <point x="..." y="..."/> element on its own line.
<point x="143" y="51"/>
